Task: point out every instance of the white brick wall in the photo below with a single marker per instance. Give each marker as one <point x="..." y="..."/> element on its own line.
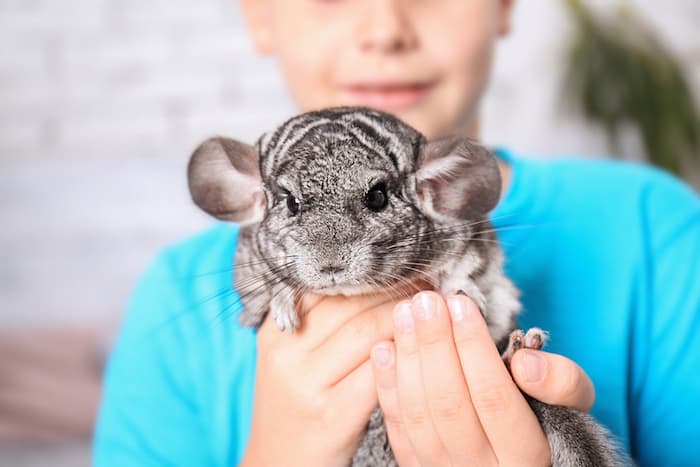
<point x="109" y="78"/>
<point x="130" y="78"/>
<point x="101" y="102"/>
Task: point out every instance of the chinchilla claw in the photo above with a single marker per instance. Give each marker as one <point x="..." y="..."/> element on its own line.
<point x="534" y="338"/>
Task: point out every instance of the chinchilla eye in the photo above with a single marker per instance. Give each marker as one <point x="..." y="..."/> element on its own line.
<point x="293" y="204"/>
<point x="376" y="198"/>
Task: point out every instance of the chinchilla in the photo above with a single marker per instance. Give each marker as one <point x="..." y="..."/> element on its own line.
<point x="352" y="200"/>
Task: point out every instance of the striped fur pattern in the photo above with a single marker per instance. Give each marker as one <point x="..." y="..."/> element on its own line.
<point x="316" y="232"/>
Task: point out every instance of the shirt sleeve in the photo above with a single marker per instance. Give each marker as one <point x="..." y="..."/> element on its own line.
<point x="666" y="379"/>
<point x="149" y="413"/>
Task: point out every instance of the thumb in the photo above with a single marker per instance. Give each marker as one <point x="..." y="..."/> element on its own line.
<point x="552" y="379"/>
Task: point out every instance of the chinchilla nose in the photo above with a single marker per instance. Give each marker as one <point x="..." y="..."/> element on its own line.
<point x="333" y="267"/>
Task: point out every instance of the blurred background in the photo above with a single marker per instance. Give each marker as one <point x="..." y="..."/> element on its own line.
<point x="102" y="101"/>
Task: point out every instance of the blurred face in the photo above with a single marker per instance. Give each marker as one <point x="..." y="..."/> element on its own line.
<point x="425" y="61"/>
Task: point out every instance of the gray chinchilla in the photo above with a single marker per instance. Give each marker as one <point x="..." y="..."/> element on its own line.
<point x="351" y="200"/>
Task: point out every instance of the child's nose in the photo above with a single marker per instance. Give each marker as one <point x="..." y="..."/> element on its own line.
<point x="385" y="26"/>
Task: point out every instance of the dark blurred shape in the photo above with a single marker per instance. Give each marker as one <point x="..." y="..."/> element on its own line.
<point x="619" y="74"/>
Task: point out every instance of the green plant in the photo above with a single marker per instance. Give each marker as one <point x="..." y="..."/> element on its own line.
<point x="619" y="73"/>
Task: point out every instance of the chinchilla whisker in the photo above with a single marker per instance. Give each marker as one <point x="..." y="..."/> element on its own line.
<point x="401" y="259"/>
<point x="398" y="280"/>
<point x="509" y="227"/>
<point x="238" y="302"/>
<point x="263" y="287"/>
<point x="503" y="216"/>
<point x="395" y="290"/>
<point x="219" y="294"/>
<point x="417" y="272"/>
<point x="229" y="269"/>
<point x="260" y="280"/>
<point x="496" y="242"/>
<point x="205" y="274"/>
<point x="432" y="234"/>
<point x="426" y="239"/>
<point x="421" y="274"/>
<point x="256" y="285"/>
<point x="481" y="240"/>
<point x="237" y="267"/>
<point x="453" y="228"/>
<point x="415" y="264"/>
<point x="280" y="267"/>
<point x="224" y="311"/>
<point x="265" y="260"/>
<point x="405" y="252"/>
<point x="390" y="287"/>
<point x="415" y="249"/>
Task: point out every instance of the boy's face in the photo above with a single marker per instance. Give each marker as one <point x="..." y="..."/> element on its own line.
<point x="425" y="61"/>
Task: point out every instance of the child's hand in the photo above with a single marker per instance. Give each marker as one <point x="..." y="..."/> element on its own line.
<point x="447" y="397"/>
<point x="314" y="389"/>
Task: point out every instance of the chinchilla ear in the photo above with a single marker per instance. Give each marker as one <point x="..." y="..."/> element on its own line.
<point x="457" y="178"/>
<point x="224" y="180"/>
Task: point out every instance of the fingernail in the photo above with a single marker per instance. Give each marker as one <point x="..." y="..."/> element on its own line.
<point x="459" y="308"/>
<point x="403" y="318"/>
<point x="533" y="366"/>
<point x="381" y="355"/>
<point x="426" y="305"/>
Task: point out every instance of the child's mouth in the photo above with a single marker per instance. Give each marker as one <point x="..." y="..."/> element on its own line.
<point x="387" y="96"/>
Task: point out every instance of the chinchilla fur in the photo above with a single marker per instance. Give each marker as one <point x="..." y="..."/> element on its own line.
<point x="351" y="200"/>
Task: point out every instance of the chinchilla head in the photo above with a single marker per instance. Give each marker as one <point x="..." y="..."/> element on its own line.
<point x="347" y="199"/>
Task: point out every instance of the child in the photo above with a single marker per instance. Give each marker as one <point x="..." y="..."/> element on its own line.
<point x="608" y="267"/>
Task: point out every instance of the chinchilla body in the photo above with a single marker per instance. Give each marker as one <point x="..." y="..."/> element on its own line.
<point x="351" y="200"/>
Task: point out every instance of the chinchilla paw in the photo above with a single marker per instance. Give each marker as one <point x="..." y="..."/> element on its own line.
<point x="285" y="314"/>
<point x="534" y="338"/>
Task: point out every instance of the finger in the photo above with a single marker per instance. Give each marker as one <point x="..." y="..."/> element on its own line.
<point x="384" y="364"/>
<point x="358" y="390"/>
<point x="415" y="414"/>
<point x="552" y="379"/>
<point x="508" y="421"/>
<point x="350" y="345"/>
<point x="322" y="315"/>
<point x="452" y="412"/>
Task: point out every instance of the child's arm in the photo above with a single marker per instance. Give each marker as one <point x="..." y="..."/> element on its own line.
<point x="149" y="413"/>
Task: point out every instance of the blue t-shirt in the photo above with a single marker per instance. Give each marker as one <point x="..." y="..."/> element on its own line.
<point x="606" y="254"/>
